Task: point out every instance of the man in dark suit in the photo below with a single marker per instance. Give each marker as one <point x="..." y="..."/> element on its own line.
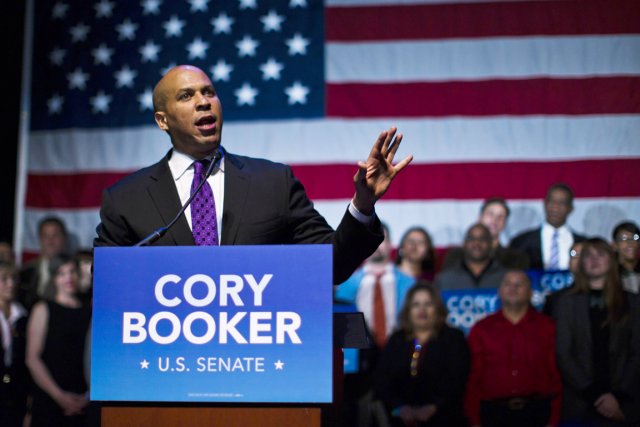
<point x="256" y="201"/>
<point x="548" y="245"/>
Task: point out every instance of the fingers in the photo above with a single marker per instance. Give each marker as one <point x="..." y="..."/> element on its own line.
<point x="403" y="163"/>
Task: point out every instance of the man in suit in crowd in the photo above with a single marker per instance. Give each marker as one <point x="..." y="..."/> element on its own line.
<point x="478" y="267"/>
<point x="255" y="201"/>
<point x="548" y="245"/>
<point x="34" y="275"/>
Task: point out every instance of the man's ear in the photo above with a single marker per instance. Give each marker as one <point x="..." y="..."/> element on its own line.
<point x="161" y="120"/>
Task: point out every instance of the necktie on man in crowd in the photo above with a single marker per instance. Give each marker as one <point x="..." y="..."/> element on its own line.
<point x="204" y="221"/>
<point x="554" y="259"/>
<point x="379" y="319"/>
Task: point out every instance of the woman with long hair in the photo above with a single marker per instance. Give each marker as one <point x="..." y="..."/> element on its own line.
<point x="416" y="255"/>
<point x="55" y="349"/>
<point x="424" y="366"/>
<point x="598" y="342"/>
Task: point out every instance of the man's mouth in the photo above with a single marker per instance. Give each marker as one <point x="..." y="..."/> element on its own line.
<point x="206" y="123"/>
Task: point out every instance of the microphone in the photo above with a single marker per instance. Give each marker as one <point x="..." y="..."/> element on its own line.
<point x="158" y="233"/>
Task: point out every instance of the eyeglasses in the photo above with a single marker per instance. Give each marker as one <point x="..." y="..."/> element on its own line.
<point x="414" y="357"/>
<point x="627" y="238"/>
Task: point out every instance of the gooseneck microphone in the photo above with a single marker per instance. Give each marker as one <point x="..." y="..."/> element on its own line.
<point x="158" y="233"/>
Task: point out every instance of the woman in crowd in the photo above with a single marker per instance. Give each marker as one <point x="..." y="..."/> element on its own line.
<point x="424" y="366"/>
<point x="55" y="348"/>
<point x="14" y="376"/>
<point x="416" y="254"/>
<point x="626" y="242"/>
<point x="598" y="343"/>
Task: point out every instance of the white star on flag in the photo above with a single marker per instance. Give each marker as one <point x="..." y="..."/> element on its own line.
<point x="57" y="56"/>
<point x="297" y="44"/>
<point x="102" y="55"/>
<point x="272" y="21"/>
<point x="221" y="71"/>
<point x="127" y="30"/>
<point x="100" y="102"/>
<point x="146" y="99"/>
<point x="222" y="24"/>
<point x="297" y="93"/>
<point x="78" y="79"/>
<point x="271" y="69"/>
<point x="247" y="46"/>
<point x="197" y="48"/>
<point x="246" y="94"/>
<point x="104" y="9"/>
<point x="198" y="5"/>
<point x="151" y="7"/>
<point x="79" y="32"/>
<point x="150" y="52"/>
<point x="125" y="76"/>
<point x="59" y="10"/>
<point x="248" y="4"/>
<point x="298" y="3"/>
<point x="54" y="104"/>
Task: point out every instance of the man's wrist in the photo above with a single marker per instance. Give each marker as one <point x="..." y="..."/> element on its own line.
<point x="361" y="217"/>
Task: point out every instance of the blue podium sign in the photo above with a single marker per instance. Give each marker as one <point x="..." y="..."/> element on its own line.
<point x="212" y="324"/>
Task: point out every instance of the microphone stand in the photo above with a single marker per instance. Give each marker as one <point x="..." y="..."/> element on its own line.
<point x="158" y="233"/>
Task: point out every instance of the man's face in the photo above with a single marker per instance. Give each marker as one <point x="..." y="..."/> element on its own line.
<point x="515" y="290"/>
<point x="627" y="245"/>
<point x="52" y="240"/>
<point x="494" y="217"/>
<point x="192" y="112"/>
<point x="477" y="244"/>
<point x="7" y="285"/>
<point x="557" y="207"/>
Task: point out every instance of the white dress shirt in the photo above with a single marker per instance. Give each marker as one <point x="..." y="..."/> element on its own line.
<point x="565" y="241"/>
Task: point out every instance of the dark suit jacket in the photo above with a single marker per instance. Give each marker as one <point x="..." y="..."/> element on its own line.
<point x="263" y="204"/>
<point x="530" y="242"/>
<point x="575" y="354"/>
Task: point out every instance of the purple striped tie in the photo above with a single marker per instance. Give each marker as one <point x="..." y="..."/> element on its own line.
<point x="203" y="209"/>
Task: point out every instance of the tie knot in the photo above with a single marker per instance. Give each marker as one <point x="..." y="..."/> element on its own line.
<point x="200" y="166"/>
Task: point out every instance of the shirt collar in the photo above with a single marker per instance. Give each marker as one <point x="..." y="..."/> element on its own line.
<point x="548" y="228"/>
<point x="180" y="162"/>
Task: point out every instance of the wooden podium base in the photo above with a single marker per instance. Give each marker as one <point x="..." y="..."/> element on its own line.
<point x="207" y="417"/>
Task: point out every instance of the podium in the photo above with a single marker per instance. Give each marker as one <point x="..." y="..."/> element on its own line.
<point x="268" y="308"/>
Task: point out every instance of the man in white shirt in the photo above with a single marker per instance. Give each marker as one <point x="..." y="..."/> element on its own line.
<point x="548" y="246"/>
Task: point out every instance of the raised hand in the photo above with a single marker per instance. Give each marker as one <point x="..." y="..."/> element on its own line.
<point x="374" y="176"/>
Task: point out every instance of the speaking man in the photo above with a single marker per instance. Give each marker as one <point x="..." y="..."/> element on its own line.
<point x="245" y="201"/>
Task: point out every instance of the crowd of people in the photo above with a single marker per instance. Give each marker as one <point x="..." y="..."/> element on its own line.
<point x="577" y="362"/>
<point x="574" y="362"/>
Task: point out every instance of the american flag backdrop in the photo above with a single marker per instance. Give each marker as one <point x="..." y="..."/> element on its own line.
<point x="495" y="98"/>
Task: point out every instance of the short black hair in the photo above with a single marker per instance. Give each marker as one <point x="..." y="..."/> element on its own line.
<point x="495" y="200"/>
<point x="563" y="187"/>
<point x="629" y="226"/>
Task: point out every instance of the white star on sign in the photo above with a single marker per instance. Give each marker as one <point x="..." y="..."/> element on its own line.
<point x="100" y="102"/>
<point x="272" y="21"/>
<point x="221" y="71"/>
<point x="55" y="104"/>
<point x="279" y="365"/>
<point x="102" y="55"/>
<point x="144" y="364"/>
<point x="197" y="48"/>
<point x="173" y="27"/>
<point x="125" y="76"/>
<point x="104" y="9"/>
<point x="271" y="69"/>
<point x="198" y="5"/>
<point x="59" y="10"/>
<point x="297" y="44"/>
<point x="246" y="95"/>
<point x="57" y="55"/>
<point x="79" y="32"/>
<point x="127" y="30"/>
<point x="248" y="4"/>
<point x="78" y="79"/>
<point x="151" y="7"/>
<point x="222" y="24"/>
<point x="149" y="52"/>
<point x="247" y="46"/>
<point x="146" y="99"/>
<point x="297" y="93"/>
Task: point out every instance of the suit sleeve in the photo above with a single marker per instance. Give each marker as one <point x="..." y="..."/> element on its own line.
<point x="352" y="241"/>
<point x="112" y="230"/>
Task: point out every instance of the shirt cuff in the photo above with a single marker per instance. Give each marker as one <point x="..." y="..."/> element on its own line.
<point x="362" y="218"/>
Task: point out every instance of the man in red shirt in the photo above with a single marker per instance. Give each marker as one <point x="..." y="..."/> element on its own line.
<point x="514" y="379"/>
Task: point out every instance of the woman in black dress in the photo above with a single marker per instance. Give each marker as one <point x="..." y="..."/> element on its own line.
<point x="423" y="369"/>
<point x="55" y="348"/>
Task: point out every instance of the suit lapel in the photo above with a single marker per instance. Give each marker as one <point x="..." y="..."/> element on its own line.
<point x="236" y="188"/>
<point x="165" y="197"/>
